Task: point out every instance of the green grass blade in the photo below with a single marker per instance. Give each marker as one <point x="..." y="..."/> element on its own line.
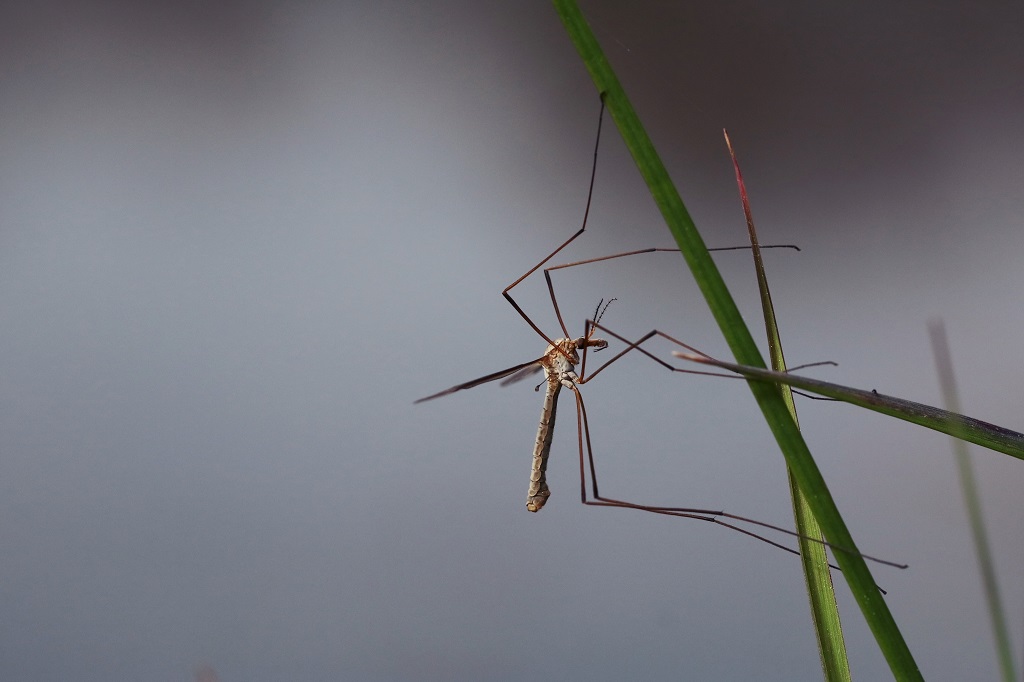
<point x="957" y="425"/>
<point x="835" y="664"/>
<point x="972" y="501"/>
<point x="724" y="310"/>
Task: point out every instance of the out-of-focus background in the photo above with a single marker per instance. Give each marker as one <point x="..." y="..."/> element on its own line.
<point x="238" y="240"/>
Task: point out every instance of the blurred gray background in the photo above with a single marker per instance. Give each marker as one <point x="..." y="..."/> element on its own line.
<point x="237" y="241"/>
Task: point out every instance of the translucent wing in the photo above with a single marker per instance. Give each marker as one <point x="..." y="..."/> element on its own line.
<point x="524" y="373"/>
<point x="490" y="377"/>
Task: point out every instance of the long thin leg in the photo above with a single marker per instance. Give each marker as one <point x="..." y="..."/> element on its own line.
<point x="583" y="227"/>
<point x="661" y="250"/>
<point x="636" y="345"/>
<point x="551" y="287"/>
<point x="586" y="458"/>
<point x="558" y="313"/>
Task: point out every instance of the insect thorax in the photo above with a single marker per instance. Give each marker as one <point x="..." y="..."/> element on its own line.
<point x="561" y="357"/>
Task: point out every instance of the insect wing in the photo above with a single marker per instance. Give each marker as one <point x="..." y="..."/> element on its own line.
<point x="482" y="380"/>
<point x="524" y="373"/>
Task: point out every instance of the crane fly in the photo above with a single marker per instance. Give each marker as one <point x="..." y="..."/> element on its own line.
<point x="559" y="366"/>
<point x="559" y="362"/>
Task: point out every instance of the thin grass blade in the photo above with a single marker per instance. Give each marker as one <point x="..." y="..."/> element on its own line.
<point x="972" y="502"/>
<point x="957" y="425"/>
<point x="740" y="341"/>
<point x="835" y="664"/>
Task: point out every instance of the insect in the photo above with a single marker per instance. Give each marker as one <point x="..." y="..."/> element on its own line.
<point x="559" y="365"/>
<point x="559" y="362"/>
